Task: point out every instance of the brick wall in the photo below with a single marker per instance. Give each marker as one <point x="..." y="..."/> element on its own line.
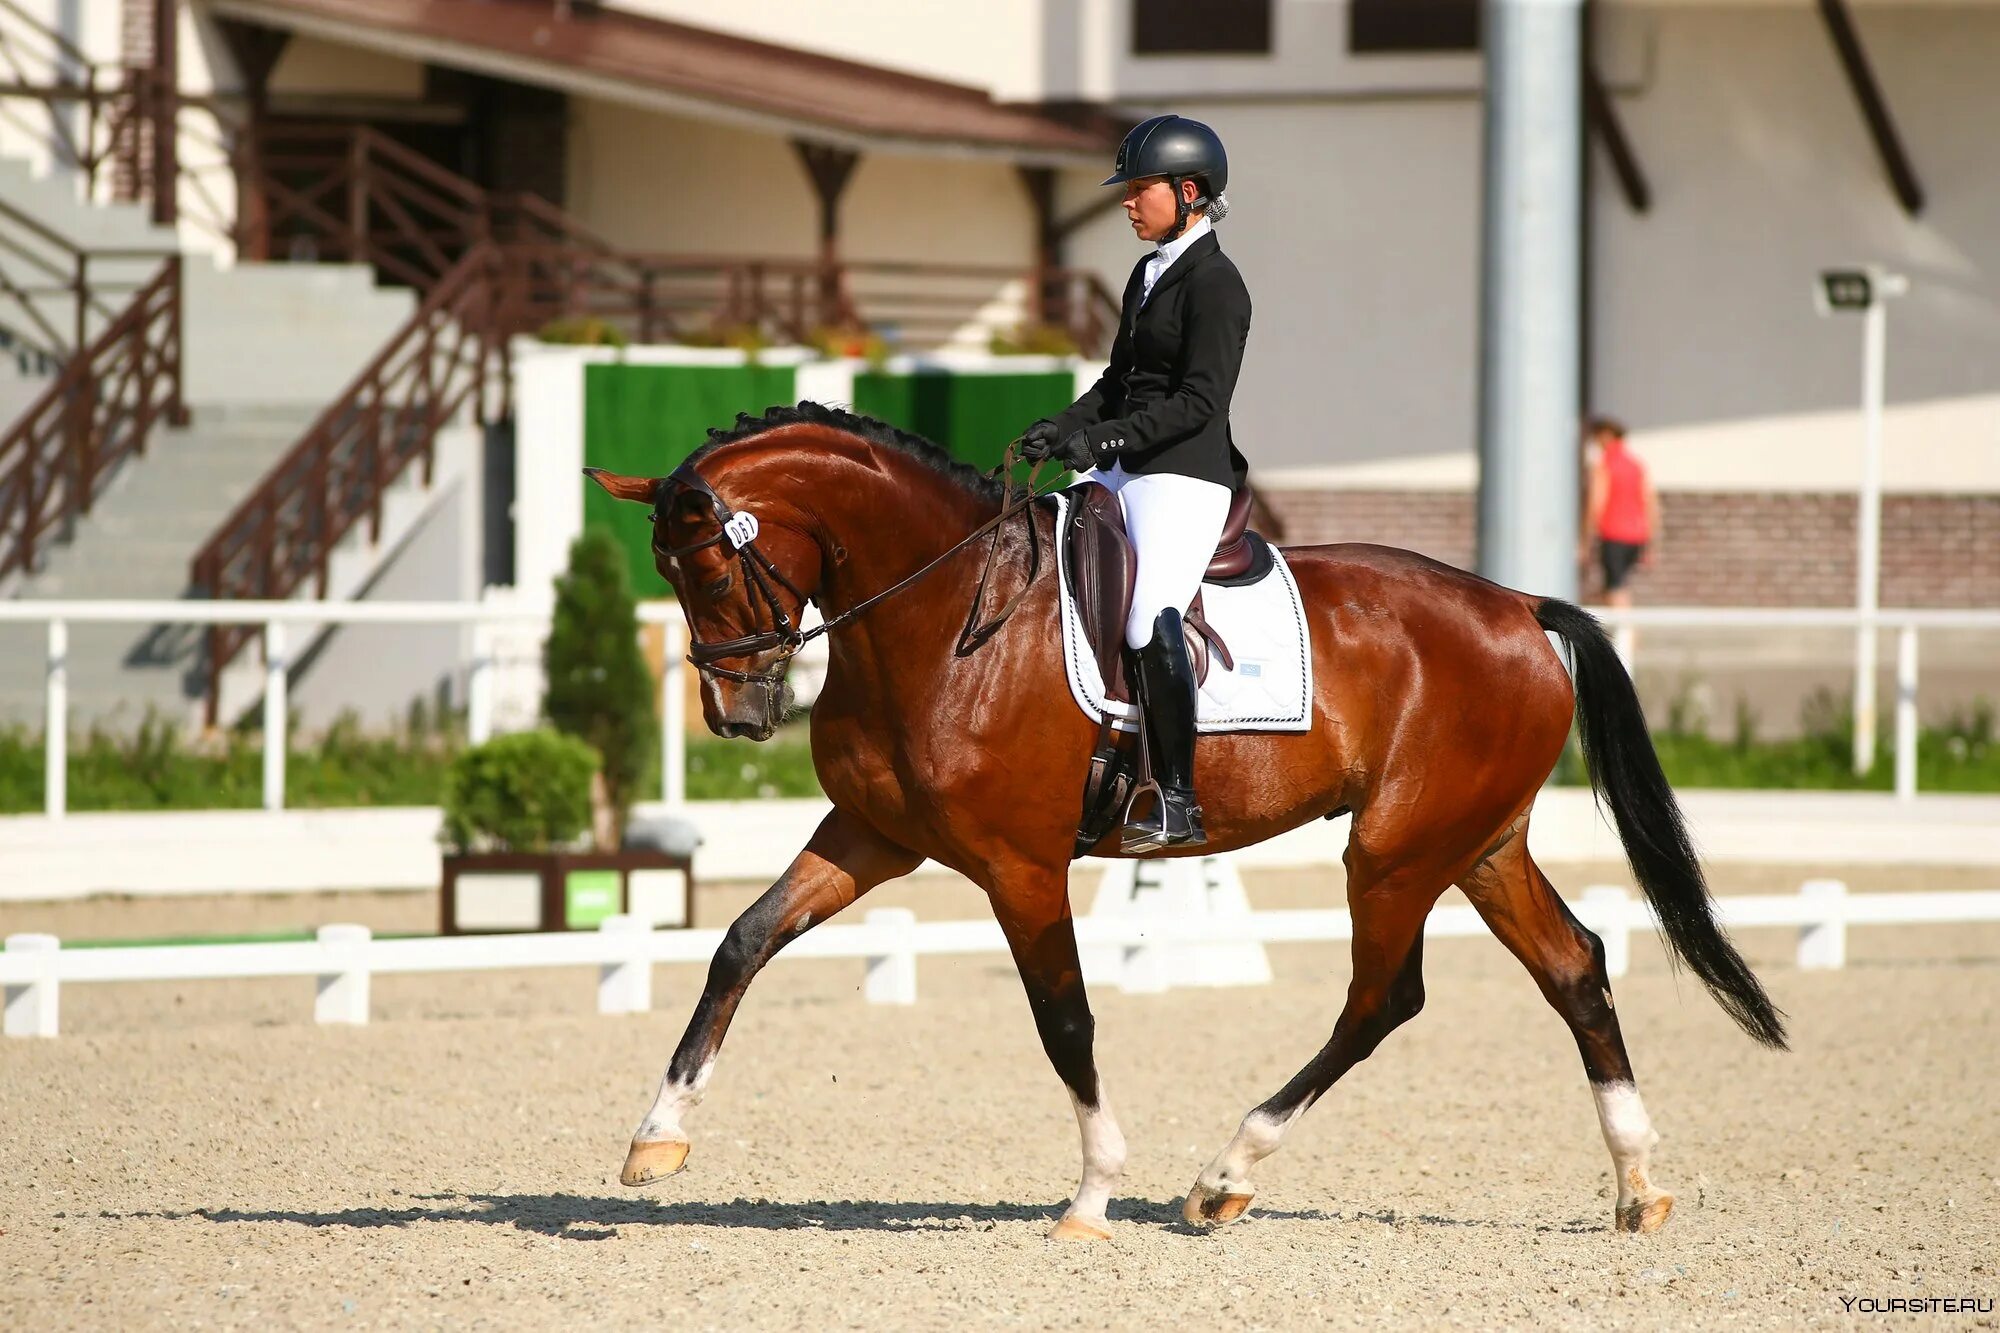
<point x="1718" y="548"/>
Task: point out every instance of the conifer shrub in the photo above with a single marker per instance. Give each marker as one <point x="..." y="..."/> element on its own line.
<point x="599" y="687"/>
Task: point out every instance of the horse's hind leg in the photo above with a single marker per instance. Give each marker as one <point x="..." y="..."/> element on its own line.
<point x="1567" y="962"/>
<point x="1389" y="905"/>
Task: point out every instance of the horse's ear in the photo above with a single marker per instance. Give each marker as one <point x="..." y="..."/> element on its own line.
<point x="641" y="489"/>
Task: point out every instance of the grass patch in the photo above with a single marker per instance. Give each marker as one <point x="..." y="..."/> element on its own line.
<point x="1959" y="756"/>
<point x="160" y="768"/>
<point x="739" y="770"/>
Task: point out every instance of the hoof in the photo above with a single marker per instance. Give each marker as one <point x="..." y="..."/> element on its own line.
<point x="1205" y="1207"/>
<point x="1076" y="1228"/>
<point x="653" y="1161"/>
<point x="1645" y="1214"/>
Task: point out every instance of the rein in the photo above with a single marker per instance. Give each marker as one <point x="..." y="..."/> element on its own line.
<point x="739" y="528"/>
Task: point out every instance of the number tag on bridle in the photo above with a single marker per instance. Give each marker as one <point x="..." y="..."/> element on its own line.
<point x="741" y="529"/>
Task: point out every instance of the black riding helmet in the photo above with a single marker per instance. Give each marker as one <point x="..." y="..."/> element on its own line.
<point x="1179" y="149"/>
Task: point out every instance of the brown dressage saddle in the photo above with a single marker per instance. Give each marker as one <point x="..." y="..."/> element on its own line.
<point x="1101" y="565"/>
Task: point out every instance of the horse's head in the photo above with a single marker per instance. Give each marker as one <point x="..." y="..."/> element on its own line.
<point x="742" y="576"/>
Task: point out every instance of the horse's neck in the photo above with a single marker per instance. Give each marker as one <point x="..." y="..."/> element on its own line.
<point x="889" y="533"/>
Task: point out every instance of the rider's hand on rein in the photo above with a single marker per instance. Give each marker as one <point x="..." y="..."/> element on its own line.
<point x="1039" y="441"/>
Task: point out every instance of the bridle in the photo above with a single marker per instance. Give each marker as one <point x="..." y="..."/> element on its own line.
<point x="740" y="528"/>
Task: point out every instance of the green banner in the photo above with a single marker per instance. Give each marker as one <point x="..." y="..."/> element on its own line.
<point x="644" y="420"/>
<point x="974" y="416"/>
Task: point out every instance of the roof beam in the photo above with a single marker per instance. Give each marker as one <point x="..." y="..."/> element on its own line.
<point x="1874" y="109"/>
<point x="1601" y="114"/>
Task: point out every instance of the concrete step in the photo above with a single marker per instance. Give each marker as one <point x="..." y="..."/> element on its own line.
<point x="272" y="333"/>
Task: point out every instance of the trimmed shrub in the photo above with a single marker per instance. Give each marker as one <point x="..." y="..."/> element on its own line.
<point x="526" y="792"/>
<point x="850" y="340"/>
<point x="743" y="337"/>
<point x="583" y="331"/>
<point x="600" y="689"/>
<point x="1035" y="340"/>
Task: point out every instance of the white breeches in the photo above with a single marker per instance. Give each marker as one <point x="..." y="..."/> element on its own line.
<point x="1174" y="523"/>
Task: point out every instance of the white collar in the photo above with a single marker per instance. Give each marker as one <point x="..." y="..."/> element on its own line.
<point x="1171" y="251"/>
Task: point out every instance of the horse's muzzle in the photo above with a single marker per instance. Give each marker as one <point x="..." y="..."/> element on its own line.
<point x="750" y="712"/>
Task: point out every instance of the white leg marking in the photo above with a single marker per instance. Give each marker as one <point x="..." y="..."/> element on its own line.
<point x="1629" y="1134"/>
<point x="663" y="1122"/>
<point x="1256" y="1138"/>
<point x="1103" y="1158"/>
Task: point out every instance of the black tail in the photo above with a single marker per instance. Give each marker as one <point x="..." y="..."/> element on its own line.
<point x="1625" y="773"/>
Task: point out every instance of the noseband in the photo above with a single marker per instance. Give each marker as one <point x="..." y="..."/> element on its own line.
<point x="739" y="528"/>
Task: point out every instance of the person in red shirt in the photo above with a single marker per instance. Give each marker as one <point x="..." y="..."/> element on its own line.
<point x="1622" y="511"/>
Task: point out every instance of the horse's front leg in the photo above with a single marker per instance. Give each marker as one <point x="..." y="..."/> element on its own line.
<point x="844" y="859"/>
<point x="1033" y="910"/>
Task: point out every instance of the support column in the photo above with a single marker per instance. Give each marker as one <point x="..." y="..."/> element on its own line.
<point x="830" y="169"/>
<point x="1529" y="446"/>
<point x="165" y="112"/>
<point x="1047" y="303"/>
<point x="256" y="52"/>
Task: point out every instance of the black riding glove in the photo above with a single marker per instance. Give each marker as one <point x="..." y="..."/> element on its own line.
<point x="1039" y="440"/>
<point x="1076" y="452"/>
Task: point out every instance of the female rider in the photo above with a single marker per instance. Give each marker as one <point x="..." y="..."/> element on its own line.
<point x="1154" y="430"/>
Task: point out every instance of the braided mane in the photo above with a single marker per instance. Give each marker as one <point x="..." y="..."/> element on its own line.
<point x="882" y="433"/>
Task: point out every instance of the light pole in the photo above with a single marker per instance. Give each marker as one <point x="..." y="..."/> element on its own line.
<point x="1529" y="328"/>
<point x="1867" y="291"/>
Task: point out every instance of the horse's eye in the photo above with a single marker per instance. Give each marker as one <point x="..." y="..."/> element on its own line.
<point x="721" y="585"/>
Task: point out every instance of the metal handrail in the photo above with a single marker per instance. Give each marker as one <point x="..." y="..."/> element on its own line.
<point x="388" y="418"/>
<point x="102" y="408"/>
<point x="68" y="277"/>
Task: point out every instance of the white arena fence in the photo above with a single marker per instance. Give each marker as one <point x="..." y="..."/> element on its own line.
<point x="1145" y="950"/>
<point x="277" y="617"/>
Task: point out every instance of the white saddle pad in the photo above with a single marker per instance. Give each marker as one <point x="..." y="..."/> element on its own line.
<point x="1264" y="624"/>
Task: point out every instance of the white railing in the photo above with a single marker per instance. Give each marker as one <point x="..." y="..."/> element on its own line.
<point x="34" y="967"/>
<point x="1624" y="625"/>
<point x="278" y="617"/>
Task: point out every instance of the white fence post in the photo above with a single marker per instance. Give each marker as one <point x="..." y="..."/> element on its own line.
<point x="479" y="686"/>
<point x="55" y="725"/>
<point x="274" y="715"/>
<point x="31" y="1005"/>
<point x="626" y="985"/>
<point x="892" y="974"/>
<point x="673" y="712"/>
<point x="1906" y="713"/>
<point x="1607" y="909"/>
<point x="1823" y="943"/>
<point x="343" y="990"/>
<point x="1625" y="642"/>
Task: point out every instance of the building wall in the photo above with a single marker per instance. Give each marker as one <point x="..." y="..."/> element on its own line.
<point x="994" y="44"/>
<point x="1356" y="227"/>
<point x="1763" y="173"/>
<point x="654" y="182"/>
<point x="1357" y="219"/>
<point x="310" y="65"/>
<point x="1717" y="548"/>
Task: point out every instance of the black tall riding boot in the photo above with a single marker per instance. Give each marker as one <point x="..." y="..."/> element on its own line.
<point x="1167" y="687"/>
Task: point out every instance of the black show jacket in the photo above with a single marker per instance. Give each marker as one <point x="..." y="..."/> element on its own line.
<point x="1162" y="405"/>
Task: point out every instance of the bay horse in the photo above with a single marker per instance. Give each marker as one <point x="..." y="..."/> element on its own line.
<point x="1441" y="706"/>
